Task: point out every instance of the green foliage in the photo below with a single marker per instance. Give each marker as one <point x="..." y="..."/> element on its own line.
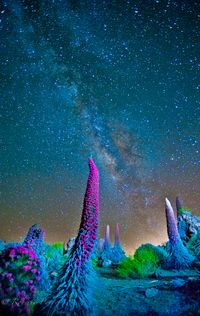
<point x="54" y="249"/>
<point x="144" y="263"/>
<point x="184" y="209"/>
<point x="54" y="257"/>
<point x="94" y="262"/>
<point x="126" y="267"/>
<point x="59" y="245"/>
<point x="147" y="252"/>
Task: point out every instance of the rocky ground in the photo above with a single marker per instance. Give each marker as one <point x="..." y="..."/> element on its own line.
<point x="171" y="294"/>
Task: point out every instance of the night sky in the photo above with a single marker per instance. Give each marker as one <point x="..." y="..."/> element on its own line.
<point x="115" y="80"/>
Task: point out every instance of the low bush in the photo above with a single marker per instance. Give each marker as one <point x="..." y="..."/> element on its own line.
<point x="19" y="278"/>
<point x="144" y="263"/>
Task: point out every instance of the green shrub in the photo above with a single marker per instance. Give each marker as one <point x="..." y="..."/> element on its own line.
<point x="126" y="267"/>
<point x="94" y="262"/>
<point x="59" y="245"/>
<point x="53" y="249"/>
<point x="184" y="209"/>
<point x="144" y="263"/>
<point x="54" y="257"/>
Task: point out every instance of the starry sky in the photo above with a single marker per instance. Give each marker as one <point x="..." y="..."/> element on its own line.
<point x="115" y="80"/>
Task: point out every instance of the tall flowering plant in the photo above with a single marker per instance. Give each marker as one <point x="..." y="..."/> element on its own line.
<point x="118" y="254"/>
<point x="69" y="295"/>
<point x="179" y="256"/>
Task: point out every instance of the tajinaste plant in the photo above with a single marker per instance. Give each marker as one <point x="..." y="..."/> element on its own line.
<point x="34" y="235"/>
<point x="105" y="258"/>
<point x="178" y="205"/>
<point x="70" y="293"/>
<point x="118" y="254"/>
<point x="117" y="239"/>
<point x="179" y="257"/>
<point x="106" y="244"/>
<point x="35" y="240"/>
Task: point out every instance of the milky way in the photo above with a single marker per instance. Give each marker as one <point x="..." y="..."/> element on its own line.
<point x="115" y="80"/>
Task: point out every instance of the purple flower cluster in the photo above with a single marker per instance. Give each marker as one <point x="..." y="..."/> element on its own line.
<point x="19" y="277"/>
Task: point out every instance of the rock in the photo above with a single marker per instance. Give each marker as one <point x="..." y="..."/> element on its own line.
<point x="178" y="283"/>
<point x="151" y="292"/>
<point x="106" y="263"/>
<point x="69" y="245"/>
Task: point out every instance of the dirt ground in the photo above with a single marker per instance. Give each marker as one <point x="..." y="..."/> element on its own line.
<point x="177" y="295"/>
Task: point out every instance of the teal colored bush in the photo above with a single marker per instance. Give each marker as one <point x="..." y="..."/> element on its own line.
<point x="194" y="245"/>
<point x="2" y="245"/>
<point x="144" y="263"/>
<point x="19" y="278"/>
<point x="118" y="254"/>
